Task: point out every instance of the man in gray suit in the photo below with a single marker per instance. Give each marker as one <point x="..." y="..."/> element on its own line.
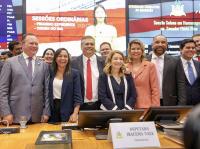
<point x="1" y="65"/>
<point x="172" y="90"/>
<point x="24" y="84"/>
<point x="96" y="65"/>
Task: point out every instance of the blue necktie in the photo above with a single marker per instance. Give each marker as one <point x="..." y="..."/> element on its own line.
<point x="191" y="73"/>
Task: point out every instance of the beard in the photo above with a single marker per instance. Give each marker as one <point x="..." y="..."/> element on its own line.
<point x="159" y="51"/>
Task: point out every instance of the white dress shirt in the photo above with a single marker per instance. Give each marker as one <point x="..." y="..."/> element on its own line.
<point x="159" y="63"/>
<point x="185" y="67"/>
<point x="95" y="77"/>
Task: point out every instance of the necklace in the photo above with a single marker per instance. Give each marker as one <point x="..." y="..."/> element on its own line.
<point x="118" y="79"/>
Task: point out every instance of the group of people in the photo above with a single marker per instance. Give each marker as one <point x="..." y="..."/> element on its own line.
<point x="55" y="87"/>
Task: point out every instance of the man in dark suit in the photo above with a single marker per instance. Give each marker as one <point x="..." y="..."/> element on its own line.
<point x="105" y="49"/>
<point x="171" y="83"/>
<point x="191" y="71"/>
<point x="90" y="67"/>
<point x="24" y="82"/>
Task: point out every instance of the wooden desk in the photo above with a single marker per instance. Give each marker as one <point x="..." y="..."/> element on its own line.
<point x="81" y="140"/>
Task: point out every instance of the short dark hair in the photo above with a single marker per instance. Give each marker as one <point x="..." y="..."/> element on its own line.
<point x="12" y="44"/>
<point x="6" y="53"/>
<point x="185" y="41"/>
<point x="105" y="43"/>
<point x="48" y="50"/>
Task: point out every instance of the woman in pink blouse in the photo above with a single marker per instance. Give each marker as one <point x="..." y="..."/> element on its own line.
<point x="144" y="75"/>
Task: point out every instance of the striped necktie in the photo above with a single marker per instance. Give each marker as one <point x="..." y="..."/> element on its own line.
<point x="191" y="73"/>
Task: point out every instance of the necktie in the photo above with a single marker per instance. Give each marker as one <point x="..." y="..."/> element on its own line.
<point x="198" y="58"/>
<point x="89" y="81"/>
<point x="30" y="70"/>
<point x="190" y="73"/>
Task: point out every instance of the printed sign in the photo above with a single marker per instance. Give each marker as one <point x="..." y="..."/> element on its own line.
<point x="133" y="135"/>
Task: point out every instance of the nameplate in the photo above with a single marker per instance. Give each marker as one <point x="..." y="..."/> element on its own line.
<point x="9" y="130"/>
<point x="133" y="135"/>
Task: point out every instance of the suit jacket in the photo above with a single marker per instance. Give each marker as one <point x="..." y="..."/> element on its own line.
<point x="77" y="63"/>
<point x="192" y="91"/>
<point x="70" y="95"/>
<point x="105" y="94"/>
<point x="21" y="96"/>
<point x="173" y="83"/>
<point x="1" y="65"/>
<point x="147" y="87"/>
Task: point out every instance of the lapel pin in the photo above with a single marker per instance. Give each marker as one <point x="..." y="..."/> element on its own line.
<point x="38" y="62"/>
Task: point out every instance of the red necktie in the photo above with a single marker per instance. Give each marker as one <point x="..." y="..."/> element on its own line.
<point x="89" y="81"/>
<point x="198" y="58"/>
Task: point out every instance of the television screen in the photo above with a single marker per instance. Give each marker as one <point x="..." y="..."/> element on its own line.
<point x="62" y="23"/>
<point x="11" y="22"/>
<point x="101" y="119"/>
<point x="175" y="19"/>
<point x="169" y="113"/>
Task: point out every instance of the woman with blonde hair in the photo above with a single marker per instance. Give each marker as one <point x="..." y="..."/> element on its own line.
<point x="144" y="76"/>
<point x="116" y="90"/>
